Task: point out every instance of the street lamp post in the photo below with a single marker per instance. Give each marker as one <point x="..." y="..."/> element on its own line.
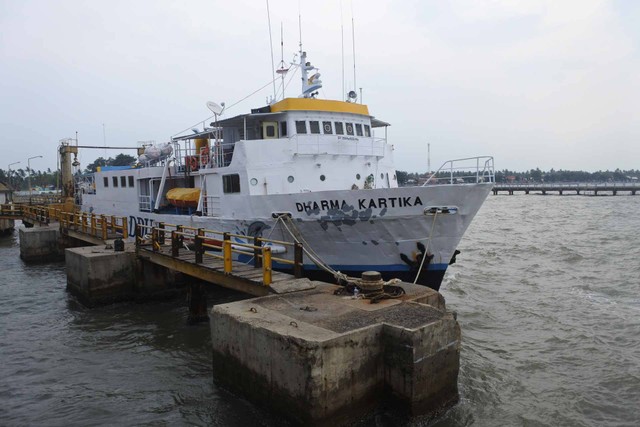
<point x="9" y="174"/>
<point x="29" y="166"/>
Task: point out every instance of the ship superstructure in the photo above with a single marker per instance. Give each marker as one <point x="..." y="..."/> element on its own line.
<point x="307" y="169"/>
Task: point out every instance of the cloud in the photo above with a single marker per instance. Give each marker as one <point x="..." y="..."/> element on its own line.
<point x="554" y="80"/>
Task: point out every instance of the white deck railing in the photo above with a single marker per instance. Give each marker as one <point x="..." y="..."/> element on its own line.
<point x="464" y="171"/>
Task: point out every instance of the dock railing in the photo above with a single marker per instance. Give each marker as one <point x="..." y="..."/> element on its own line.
<point x="219" y="245"/>
<point x="11" y="210"/>
<point x="39" y="214"/>
<point x="96" y="225"/>
<point x="464" y="171"/>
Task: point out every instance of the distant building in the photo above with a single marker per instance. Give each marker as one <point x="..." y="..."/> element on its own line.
<point x="6" y="196"/>
<point x="6" y="193"/>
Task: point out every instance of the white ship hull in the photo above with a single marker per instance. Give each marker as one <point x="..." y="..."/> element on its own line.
<point x="352" y="231"/>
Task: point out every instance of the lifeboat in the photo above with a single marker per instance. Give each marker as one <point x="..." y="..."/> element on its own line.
<point x="184" y="197"/>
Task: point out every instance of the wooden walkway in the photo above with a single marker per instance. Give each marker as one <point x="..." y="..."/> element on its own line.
<point x="211" y="259"/>
<point x="243" y="277"/>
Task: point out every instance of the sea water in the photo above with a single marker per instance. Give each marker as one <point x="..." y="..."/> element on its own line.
<point x="547" y="291"/>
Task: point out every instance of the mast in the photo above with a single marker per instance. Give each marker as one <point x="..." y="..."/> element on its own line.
<point x="309" y="84"/>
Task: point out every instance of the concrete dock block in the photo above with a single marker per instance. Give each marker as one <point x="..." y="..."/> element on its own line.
<point x="321" y="359"/>
<point x="100" y="276"/>
<point x="40" y="244"/>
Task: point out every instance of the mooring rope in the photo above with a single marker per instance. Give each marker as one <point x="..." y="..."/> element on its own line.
<point x="299" y="238"/>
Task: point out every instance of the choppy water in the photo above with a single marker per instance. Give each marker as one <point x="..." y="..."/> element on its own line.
<point x="547" y="291"/>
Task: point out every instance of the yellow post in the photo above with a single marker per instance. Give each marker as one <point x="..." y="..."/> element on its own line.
<point x="113" y="224"/>
<point x="266" y="265"/>
<point x="154" y="239"/>
<point x="103" y="226"/>
<point x="125" y="229"/>
<point x="226" y="248"/>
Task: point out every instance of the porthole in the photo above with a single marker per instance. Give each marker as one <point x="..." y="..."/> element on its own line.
<point x="322" y="178"/>
<point x="357" y="176"/>
<point x="290" y="178"/>
<point x="254" y="181"/>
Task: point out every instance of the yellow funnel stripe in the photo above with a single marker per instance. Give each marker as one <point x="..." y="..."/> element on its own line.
<point x="310" y="104"/>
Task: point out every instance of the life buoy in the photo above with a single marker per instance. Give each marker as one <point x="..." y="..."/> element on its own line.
<point x="204" y="156"/>
<point x="193" y="163"/>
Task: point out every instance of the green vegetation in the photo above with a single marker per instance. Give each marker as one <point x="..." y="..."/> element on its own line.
<point x="18" y="179"/>
<point x="120" y="160"/>
<point x="50" y="179"/>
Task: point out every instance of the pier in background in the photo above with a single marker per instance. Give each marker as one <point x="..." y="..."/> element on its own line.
<point x="584" y="188"/>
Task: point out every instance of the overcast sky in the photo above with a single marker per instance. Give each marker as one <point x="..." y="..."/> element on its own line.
<point x="549" y="84"/>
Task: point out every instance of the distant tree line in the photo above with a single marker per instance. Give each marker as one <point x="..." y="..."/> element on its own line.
<point x="18" y="179"/>
<point x="534" y="175"/>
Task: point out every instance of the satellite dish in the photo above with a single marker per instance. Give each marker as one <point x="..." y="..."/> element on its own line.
<point x="215" y="108"/>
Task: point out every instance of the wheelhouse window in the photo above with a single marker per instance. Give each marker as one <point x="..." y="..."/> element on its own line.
<point x="301" y="126"/>
<point x="326" y="127"/>
<point x="123" y="181"/>
<point x="115" y="181"/>
<point x="349" y="128"/>
<point x="283" y="128"/>
<point x="339" y="128"/>
<point x="130" y="180"/>
<point x="367" y="130"/>
<point x="314" y="126"/>
<point x="106" y="182"/>
<point x="358" y="129"/>
<point x="231" y="183"/>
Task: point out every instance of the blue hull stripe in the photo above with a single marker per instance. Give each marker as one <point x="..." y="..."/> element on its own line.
<point x="385" y="267"/>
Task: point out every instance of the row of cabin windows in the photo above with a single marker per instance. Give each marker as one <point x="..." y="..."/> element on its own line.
<point x="328" y="128"/>
<point x="123" y="181"/>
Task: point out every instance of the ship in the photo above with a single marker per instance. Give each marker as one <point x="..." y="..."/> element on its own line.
<point x="314" y="171"/>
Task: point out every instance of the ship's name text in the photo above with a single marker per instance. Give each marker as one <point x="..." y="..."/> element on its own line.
<point x="379" y="203"/>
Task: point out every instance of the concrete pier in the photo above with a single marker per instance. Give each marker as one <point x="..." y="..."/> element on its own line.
<point x="298" y="348"/>
<point x="39" y="244"/>
<point x="99" y="275"/>
<point x="6" y="226"/>
<point x="321" y="359"/>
